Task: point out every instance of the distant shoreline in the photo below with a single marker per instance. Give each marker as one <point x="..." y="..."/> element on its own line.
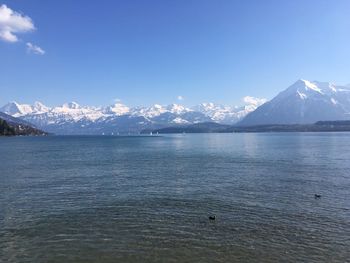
<point x="322" y="126"/>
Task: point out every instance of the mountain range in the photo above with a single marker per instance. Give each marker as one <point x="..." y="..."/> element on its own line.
<point x="304" y="102"/>
<point x="72" y="118"/>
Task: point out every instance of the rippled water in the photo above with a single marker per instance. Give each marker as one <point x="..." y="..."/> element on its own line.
<point x="147" y="199"/>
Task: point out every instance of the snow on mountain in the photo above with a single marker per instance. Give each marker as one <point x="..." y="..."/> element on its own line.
<point x="218" y="113"/>
<point x="157" y="109"/>
<point x="38" y="107"/>
<point x="16" y="110"/>
<point x="74" y="112"/>
<point x="227" y="114"/>
<point x="304" y="102"/>
<point x="72" y="118"/>
<point x="149" y="112"/>
<point x="177" y="109"/>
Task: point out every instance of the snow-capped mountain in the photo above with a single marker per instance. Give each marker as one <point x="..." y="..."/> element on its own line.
<point x="227" y="114"/>
<point x="302" y="103"/>
<point x="72" y="118"/>
<point x="16" y="110"/>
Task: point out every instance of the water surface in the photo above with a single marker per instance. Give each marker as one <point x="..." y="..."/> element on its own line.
<point x="147" y="199"/>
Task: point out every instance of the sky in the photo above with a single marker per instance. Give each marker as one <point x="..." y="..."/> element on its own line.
<point x="143" y="52"/>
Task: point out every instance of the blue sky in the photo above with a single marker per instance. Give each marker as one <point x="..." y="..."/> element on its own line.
<point x="146" y="52"/>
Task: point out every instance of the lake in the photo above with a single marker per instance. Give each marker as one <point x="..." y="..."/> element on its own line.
<point x="148" y="198"/>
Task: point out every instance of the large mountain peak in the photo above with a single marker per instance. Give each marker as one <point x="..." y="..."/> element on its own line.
<point x="302" y="88"/>
<point x="303" y="102"/>
<point x="307" y="85"/>
<point x="40" y="107"/>
<point x="15" y="109"/>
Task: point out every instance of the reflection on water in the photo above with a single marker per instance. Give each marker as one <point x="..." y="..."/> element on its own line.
<point x="147" y="199"/>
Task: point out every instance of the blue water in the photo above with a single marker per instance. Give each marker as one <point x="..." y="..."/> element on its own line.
<point x="147" y="199"/>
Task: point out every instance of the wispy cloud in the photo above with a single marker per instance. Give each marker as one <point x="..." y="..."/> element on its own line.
<point x="254" y="101"/>
<point x="12" y="22"/>
<point x="180" y="97"/>
<point x="31" y="48"/>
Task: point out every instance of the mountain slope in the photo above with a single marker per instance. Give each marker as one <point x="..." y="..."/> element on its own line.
<point x="13" y="120"/>
<point x="12" y="126"/>
<point x="5" y="129"/>
<point x="302" y="103"/>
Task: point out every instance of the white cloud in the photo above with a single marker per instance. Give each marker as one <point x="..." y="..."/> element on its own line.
<point x="12" y="22"/>
<point x="180" y="97"/>
<point x="254" y="101"/>
<point x="35" y="49"/>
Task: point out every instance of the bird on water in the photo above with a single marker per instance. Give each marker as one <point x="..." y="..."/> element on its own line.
<point x="212" y="217"/>
<point x="317" y="196"/>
